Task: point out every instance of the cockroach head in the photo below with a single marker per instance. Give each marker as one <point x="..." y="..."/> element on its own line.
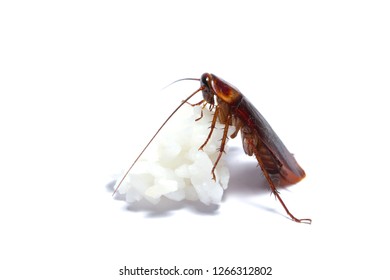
<point x="212" y="86"/>
<point x="207" y="89"/>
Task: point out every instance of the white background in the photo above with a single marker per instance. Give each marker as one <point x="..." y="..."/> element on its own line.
<point x="80" y="85"/>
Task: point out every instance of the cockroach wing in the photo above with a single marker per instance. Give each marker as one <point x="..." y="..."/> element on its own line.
<point x="274" y="154"/>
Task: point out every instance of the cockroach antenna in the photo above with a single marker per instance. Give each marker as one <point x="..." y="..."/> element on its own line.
<point x="184" y="79"/>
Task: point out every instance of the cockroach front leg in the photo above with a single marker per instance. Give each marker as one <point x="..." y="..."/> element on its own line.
<point x="198" y="104"/>
<point x="195" y="104"/>
<point x="273" y="187"/>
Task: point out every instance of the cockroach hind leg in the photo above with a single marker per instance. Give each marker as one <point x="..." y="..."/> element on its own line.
<point x="273" y="186"/>
<point x="302" y="221"/>
<point x="276" y="180"/>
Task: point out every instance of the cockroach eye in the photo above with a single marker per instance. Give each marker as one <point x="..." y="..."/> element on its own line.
<point x="207" y="92"/>
<point x="205" y="80"/>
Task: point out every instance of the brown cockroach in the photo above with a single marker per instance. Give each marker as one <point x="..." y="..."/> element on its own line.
<point x="231" y="107"/>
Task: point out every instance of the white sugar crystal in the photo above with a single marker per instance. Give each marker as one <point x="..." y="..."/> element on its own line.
<point x="174" y="167"/>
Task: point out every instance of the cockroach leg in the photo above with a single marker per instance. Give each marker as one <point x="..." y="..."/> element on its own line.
<point x="201" y="111"/>
<point x="274" y="190"/>
<point x="238" y="125"/>
<point x="198" y="104"/>
<point x="223" y="143"/>
<point x="201" y="116"/>
<point x="195" y="104"/>
<point x="223" y="140"/>
<point x="213" y="122"/>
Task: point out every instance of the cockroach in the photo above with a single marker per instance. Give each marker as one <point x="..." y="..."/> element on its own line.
<point x="231" y="107"/>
